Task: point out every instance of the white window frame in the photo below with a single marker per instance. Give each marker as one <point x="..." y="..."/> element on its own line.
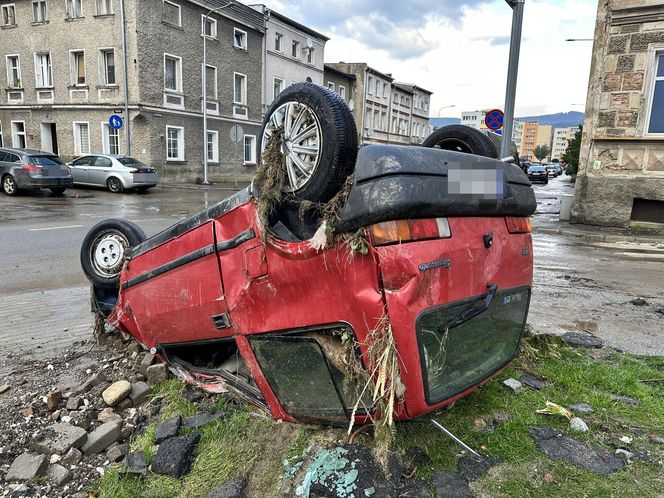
<point x="369" y="85"/>
<point x="342" y="91"/>
<point x="252" y="159"/>
<point x="653" y="58"/>
<point x="330" y="85"/>
<point x="16" y="134"/>
<point x="282" y="86"/>
<point x="106" y="3"/>
<point x="70" y="4"/>
<point x="178" y="75"/>
<point x="215" y="146"/>
<point x="6" y="7"/>
<point x="213" y="27"/>
<point x="179" y="24"/>
<point x="38" y="71"/>
<point x="180" y="142"/>
<point x="103" y="66"/>
<point x="214" y="98"/>
<point x="78" y="144"/>
<point x="106" y="132"/>
<point x="243" y="100"/>
<point x="310" y="56"/>
<point x="295" y="45"/>
<point x="243" y="34"/>
<point x="278" y="37"/>
<point x="45" y="19"/>
<point x="73" y="68"/>
<point x="2" y="138"/>
<point x="9" y="71"/>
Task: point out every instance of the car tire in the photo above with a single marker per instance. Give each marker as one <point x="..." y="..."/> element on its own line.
<point x="460" y="138"/>
<point x="324" y="151"/>
<point x="57" y="190"/>
<point x="104" y="250"/>
<point x="114" y="185"/>
<point x="9" y="185"/>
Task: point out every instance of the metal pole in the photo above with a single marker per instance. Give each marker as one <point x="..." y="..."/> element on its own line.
<point x="512" y="73"/>
<point x="204" y="93"/>
<point x="126" y="79"/>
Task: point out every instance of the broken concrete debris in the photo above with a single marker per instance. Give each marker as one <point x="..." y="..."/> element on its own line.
<point x="533" y="382"/>
<point x="59" y="439"/>
<point x="513" y="384"/>
<point x="472" y="468"/>
<point x="116" y="392"/>
<point x="157" y="373"/>
<point x="137" y="463"/>
<point x="581" y="408"/>
<point x="53" y="399"/>
<point x="101" y="438"/>
<point x="231" y="489"/>
<point x="624" y="399"/>
<point x="578" y="425"/>
<point x="582" y="340"/>
<point x="27" y="466"/>
<point x="201" y="419"/>
<point x="168" y="429"/>
<point x="175" y="455"/>
<point x="58" y="474"/>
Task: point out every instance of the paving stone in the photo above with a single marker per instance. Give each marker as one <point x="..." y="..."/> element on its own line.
<point x="116" y="392"/>
<point x="59" y="438"/>
<point x="156" y="373"/>
<point x="53" y="399"/>
<point x="57" y="474"/>
<point x="472" y="468"/>
<point x="72" y="457"/>
<point x="513" y="384"/>
<point x="582" y="340"/>
<point x="101" y="438"/>
<point x="450" y="485"/>
<point x="581" y="408"/>
<point x="567" y="449"/>
<point x="148" y="359"/>
<point x="175" y="455"/>
<point x="139" y="393"/>
<point x="74" y="403"/>
<point x="26" y="467"/>
<point x="117" y="452"/>
<point x="533" y="382"/>
<point x="137" y="463"/>
<point x="231" y="489"/>
<point x="168" y="429"/>
<point x="201" y="419"/>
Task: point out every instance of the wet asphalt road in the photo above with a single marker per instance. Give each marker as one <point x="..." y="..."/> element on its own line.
<point x="44" y="295"/>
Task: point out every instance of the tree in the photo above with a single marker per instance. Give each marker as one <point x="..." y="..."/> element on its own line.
<point x="571" y="155"/>
<point x="542" y="152"/>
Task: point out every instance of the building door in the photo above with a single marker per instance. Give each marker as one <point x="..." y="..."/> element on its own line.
<point x="47" y="137"/>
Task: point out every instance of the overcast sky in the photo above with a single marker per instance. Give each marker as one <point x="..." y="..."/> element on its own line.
<point x="459" y="48"/>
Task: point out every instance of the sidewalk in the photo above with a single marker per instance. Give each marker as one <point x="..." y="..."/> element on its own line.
<point x="590" y="233"/>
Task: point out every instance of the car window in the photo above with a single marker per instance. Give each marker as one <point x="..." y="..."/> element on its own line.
<point x="129" y="161"/>
<point x="85" y="161"/>
<point x="45" y="161"/>
<point x="103" y="162"/>
<point x="3" y="156"/>
<point x="13" y="158"/>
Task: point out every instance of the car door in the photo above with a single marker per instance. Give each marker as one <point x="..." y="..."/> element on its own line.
<point x="79" y="169"/>
<point x="100" y="170"/>
<point x="4" y="165"/>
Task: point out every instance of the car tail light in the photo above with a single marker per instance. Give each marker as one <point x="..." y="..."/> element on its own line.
<point x="519" y="225"/>
<point x="392" y="232"/>
<point x="31" y="167"/>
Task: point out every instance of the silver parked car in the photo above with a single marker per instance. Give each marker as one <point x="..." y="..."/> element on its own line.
<point x="26" y="169"/>
<point x="116" y="173"/>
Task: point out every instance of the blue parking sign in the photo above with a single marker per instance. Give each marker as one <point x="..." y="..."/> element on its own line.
<point x="115" y="121"/>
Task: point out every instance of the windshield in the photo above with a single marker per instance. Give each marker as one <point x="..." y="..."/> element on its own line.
<point x="535" y="168"/>
<point x="129" y="161"/>
<point x="45" y="161"/>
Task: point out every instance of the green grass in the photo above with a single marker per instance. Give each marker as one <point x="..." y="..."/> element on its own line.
<point x="253" y="446"/>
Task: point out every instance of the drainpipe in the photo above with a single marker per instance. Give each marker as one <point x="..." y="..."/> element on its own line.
<point x="267" y="13"/>
<point x="126" y="79"/>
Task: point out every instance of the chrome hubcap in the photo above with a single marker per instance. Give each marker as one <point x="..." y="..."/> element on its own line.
<point x="301" y="143"/>
<point x="108" y="253"/>
<point x="8" y="185"/>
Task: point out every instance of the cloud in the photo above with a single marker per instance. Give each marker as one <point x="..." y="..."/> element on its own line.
<point x="494" y="41"/>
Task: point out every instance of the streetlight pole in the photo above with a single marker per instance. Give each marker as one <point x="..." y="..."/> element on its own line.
<point x="512" y="73"/>
<point x="204" y="92"/>
<point x="444" y="107"/>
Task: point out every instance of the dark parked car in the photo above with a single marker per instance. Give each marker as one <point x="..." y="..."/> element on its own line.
<point x="26" y="169"/>
<point x="431" y="266"/>
<point x="538" y="174"/>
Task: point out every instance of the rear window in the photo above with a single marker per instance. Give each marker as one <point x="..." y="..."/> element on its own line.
<point x="129" y="161"/>
<point x="45" y="161"/>
<point x="536" y="168"/>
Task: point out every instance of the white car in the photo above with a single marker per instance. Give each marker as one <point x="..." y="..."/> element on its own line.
<point x="116" y="173"/>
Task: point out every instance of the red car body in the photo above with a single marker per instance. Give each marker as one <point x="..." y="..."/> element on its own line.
<point x="220" y="280"/>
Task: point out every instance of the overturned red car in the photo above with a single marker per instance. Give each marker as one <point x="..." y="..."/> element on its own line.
<point x="235" y="302"/>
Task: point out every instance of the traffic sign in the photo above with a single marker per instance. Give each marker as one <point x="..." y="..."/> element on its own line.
<point x="494" y="119"/>
<point x="115" y="121"/>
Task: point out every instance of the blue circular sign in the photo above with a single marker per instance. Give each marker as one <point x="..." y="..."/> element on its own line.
<point x="494" y="119"/>
<point x="115" y="121"/>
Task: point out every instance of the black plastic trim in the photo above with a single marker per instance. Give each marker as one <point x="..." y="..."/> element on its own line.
<point x="240" y="238"/>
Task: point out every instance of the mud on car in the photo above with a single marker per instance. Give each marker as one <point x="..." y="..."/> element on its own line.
<point x="280" y="294"/>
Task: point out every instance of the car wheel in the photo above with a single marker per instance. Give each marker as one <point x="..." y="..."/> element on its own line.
<point x="114" y="185"/>
<point x="57" y="190"/>
<point x="460" y="138"/>
<point x="105" y="248"/>
<point x="319" y="142"/>
<point x="9" y="185"/>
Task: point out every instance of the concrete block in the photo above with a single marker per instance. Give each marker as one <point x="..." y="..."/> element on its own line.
<point x="59" y="438"/>
<point x="26" y="467"/>
<point x="101" y="438"/>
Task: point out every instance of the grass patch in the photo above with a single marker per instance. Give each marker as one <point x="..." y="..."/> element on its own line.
<point x="244" y="444"/>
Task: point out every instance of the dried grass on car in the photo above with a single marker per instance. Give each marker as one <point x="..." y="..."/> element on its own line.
<point x="271" y="178"/>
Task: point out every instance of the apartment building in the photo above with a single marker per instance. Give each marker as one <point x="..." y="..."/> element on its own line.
<point x="517" y="135"/>
<point x="534" y="134"/>
<point x="561" y="137"/>
<point x="342" y="83"/>
<point x="294" y="53"/>
<point x="419" y="112"/>
<point x="66" y="76"/>
<point x="474" y="119"/>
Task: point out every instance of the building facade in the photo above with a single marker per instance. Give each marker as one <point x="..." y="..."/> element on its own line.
<point x="533" y="135"/>
<point x="474" y="119"/>
<point x="342" y="83"/>
<point x="621" y="164"/>
<point x="294" y="53"/>
<point x="65" y="77"/>
<point x="561" y="138"/>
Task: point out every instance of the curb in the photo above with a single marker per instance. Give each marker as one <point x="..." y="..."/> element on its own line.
<point x="598" y="237"/>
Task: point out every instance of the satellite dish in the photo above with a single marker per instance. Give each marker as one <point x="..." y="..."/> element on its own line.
<point x="351" y="104"/>
<point x="310" y="43"/>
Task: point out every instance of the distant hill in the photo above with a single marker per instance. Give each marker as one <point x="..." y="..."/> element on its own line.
<point x="558" y="120"/>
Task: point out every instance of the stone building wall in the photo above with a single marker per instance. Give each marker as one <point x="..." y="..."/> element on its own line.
<point x="620" y="161"/>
